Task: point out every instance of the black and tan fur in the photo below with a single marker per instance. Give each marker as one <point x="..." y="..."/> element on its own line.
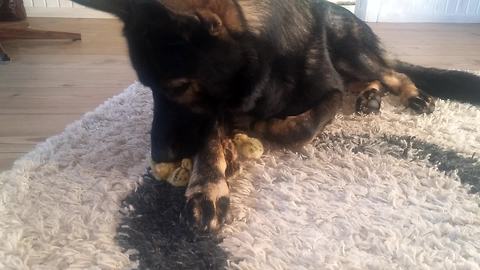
<point x="282" y="64"/>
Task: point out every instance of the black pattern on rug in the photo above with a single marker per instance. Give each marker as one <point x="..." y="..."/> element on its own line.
<point x="468" y="168"/>
<point x="154" y="227"/>
<point x="411" y="148"/>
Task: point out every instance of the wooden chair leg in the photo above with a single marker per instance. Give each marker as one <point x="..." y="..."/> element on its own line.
<point x="27" y="33"/>
<point x="3" y="55"/>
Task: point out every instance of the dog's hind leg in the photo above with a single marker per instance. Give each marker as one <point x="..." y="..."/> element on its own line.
<point x="358" y="57"/>
<point x="401" y="85"/>
<point x="300" y="129"/>
<point x="367" y="77"/>
<point x="369" y="94"/>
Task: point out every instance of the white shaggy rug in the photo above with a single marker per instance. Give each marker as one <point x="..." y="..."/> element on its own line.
<point x="389" y="191"/>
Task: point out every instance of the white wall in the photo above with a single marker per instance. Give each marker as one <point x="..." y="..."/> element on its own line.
<point x="464" y="11"/>
<point x="369" y="10"/>
<point x="68" y="9"/>
<point x="60" y="8"/>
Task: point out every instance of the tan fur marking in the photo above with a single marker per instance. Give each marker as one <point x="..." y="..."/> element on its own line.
<point x="187" y="98"/>
<point x="220" y="163"/>
<point x="300" y="129"/>
<point x="225" y="10"/>
<point x="254" y="15"/>
<point x="216" y="157"/>
<point x="359" y="87"/>
<point x="190" y="96"/>
<point x="393" y="82"/>
<point x="213" y="190"/>
<point x="400" y="85"/>
<point x="377" y="85"/>
<point x="209" y="167"/>
<point x="284" y="127"/>
<point x="177" y="82"/>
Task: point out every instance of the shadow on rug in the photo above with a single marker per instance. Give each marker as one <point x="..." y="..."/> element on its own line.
<point x="413" y="149"/>
<point x="152" y="224"/>
<point x="153" y="227"/>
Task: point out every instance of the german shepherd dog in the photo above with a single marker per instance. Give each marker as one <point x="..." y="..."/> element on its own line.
<point x="274" y="68"/>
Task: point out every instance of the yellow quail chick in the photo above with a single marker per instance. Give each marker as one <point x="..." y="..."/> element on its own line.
<point x="177" y="174"/>
<point x="247" y="147"/>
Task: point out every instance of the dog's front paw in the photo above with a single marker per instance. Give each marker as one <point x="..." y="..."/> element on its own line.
<point x="370" y="101"/>
<point x="423" y="103"/>
<point x="207" y="207"/>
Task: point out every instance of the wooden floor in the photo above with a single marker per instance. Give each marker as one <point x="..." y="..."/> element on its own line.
<point x="52" y="83"/>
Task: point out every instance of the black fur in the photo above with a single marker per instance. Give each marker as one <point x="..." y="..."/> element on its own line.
<point x="301" y="51"/>
<point x="446" y="84"/>
<point x="210" y="62"/>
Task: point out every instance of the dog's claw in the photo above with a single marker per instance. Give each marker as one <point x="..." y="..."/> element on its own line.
<point x="422" y="104"/>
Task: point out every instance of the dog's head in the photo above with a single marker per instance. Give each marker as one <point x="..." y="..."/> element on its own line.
<point x="186" y="49"/>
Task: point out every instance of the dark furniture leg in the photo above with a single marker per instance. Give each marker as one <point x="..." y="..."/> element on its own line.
<point x="3" y="55"/>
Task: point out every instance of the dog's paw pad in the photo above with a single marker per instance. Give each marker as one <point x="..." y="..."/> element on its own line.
<point x="369" y="102"/>
<point x="207" y="214"/>
<point x="422" y="104"/>
<point x="247" y="147"/>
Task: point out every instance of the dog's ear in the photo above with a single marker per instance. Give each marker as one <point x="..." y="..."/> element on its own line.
<point x="214" y="16"/>
<point x="119" y="8"/>
<point x="163" y="11"/>
<point x="210" y="21"/>
<point x="197" y="19"/>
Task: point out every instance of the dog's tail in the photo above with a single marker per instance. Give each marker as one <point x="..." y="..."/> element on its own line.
<point x="445" y="84"/>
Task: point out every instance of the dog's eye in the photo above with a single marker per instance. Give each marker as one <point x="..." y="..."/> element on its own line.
<point x="179" y="85"/>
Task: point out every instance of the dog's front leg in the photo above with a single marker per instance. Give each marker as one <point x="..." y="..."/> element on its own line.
<point x="207" y="192"/>
<point x="300" y="129"/>
<point x="171" y="135"/>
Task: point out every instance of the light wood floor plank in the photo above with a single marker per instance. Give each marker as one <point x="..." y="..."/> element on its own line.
<point x="50" y="84"/>
<point x="7" y="159"/>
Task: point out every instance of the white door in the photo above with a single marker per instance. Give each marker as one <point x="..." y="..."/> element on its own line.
<point x="460" y="11"/>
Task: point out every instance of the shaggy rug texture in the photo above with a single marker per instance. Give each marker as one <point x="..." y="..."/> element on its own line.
<point x="388" y="191"/>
